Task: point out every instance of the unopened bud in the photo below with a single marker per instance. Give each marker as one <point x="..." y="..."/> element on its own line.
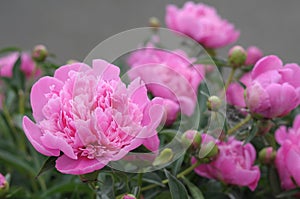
<point x="208" y="150"/>
<point x="164" y="157"/>
<point x="154" y="23"/>
<point x="237" y="56"/>
<point x="191" y="138"/>
<point x="128" y="196"/>
<point x="39" y="53"/>
<point x="213" y="103"/>
<point x="267" y="155"/>
<point x="4" y="186"/>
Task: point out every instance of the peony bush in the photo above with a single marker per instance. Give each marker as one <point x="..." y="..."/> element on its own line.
<point x="155" y="123"/>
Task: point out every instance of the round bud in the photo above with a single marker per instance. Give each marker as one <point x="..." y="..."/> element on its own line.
<point x="213" y="103"/>
<point x="237" y="56"/>
<point x="267" y="155"/>
<point x="154" y="23"/>
<point x="39" y="53"/>
<point x="191" y="138"/>
<point x="208" y="150"/>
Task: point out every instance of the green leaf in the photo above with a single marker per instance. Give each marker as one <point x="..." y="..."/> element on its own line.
<point x="288" y="193"/>
<point x="66" y="188"/>
<point x="194" y="190"/>
<point x="274" y="180"/>
<point x="18" y="79"/>
<point x="153" y="178"/>
<point x="16" y="162"/>
<point x="48" y="164"/>
<point x="177" y="189"/>
<point x="177" y="165"/>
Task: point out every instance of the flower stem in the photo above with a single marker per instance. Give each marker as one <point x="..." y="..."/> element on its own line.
<point x="230" y="78"/>
<point x="180" y="175"/>
<point x="239" y="125"/>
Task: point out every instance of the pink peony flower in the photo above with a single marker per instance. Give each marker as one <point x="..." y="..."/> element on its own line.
<point x="253" y="55"/>
<point x="3" y="182"/>
<point x="171" y="111"/>
<point x="168" y="75"/>
<point x="288" y="155"/>
<point x="274" y="89"/>
<point x="90" y="116"/>
<point x="233" y="165"/>
<point x="235" y="92"/>
<point x="128" y="196"/>
<point x="27" y="65"/>
<point x="202" y="23"/>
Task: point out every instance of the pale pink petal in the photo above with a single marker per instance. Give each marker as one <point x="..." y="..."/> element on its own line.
<point x="34" y="134"/>
<point x="80" y="166"/>
<point x="62" y="73"/>
<point x="106" y="70"/>
<point x="38" y="93"/>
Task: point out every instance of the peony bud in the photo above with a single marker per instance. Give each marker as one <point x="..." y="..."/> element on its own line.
<point x="72" y="61"/>
<point x="253" y="55"/>
<point x="128" y="196"/>
<point x="213" y="103"/>
<point x="164" y="157"/>
<point x="191" y="137"/>
<point x="237" y="56"/>
<point x="208" y="150"/>
<point x="154" y="23"/>
<point x="267" y="155"/>
<point x="39" y="53"/>
<point x="3" y="185"/>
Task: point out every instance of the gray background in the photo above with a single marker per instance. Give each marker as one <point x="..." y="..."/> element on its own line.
<point x="70" y="29"/>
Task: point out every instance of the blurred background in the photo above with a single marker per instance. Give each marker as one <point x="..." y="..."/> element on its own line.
<point x="71" y="29"/>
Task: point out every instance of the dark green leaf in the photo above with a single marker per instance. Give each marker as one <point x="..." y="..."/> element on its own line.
<point x="18" y="79"/>
<point x="194" y="190"/>
<point x="288" y="193"/>
<point x="48" y="164"/>
<point x="16" y="162"/>
<point x="177" y="189"/>
<point x="153" y="178"/>
<point x="274" y="180"/>
<point x="66" y="188"/>
<point x="177" y="165"/>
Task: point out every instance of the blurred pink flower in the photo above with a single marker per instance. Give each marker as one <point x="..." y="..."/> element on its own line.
<point x="202" y="23"/>
<point x="288" y="155"/>
<point x="90" y="116"/>
<point x="3" y="181"/>
<point x="168" y="74"/>
<point x="27" y="65"/>
<point x="171" y="111"/>
<point x="253" y="55"/>
<point x="275" y="89"/>
<point x="233" y="165"/>
<point x="235" y="92"/>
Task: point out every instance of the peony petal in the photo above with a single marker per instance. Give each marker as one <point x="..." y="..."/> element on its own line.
<point x="281" y="135"/>
<point x="106" y="70"/>
<point x="80" y="166"/>
<point x="58" y="143"/>
<point x="266" y="63"/>
<point x="283" y="98"/>
<point x="152" y="143"/>
<point x="62" y="73"/>
<point x="138" y="93"/>
<point x="293" y="164"/>
<point x="38" y="95"/>
<point x="291" y="73"/>
<point x="34" y="134"/>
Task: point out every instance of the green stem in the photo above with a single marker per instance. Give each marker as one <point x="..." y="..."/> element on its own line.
<point x="21" y="102"/>
<point x="239" y="125"/>
<point x="230" y="78"/>
<point x="180" y="175"/>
